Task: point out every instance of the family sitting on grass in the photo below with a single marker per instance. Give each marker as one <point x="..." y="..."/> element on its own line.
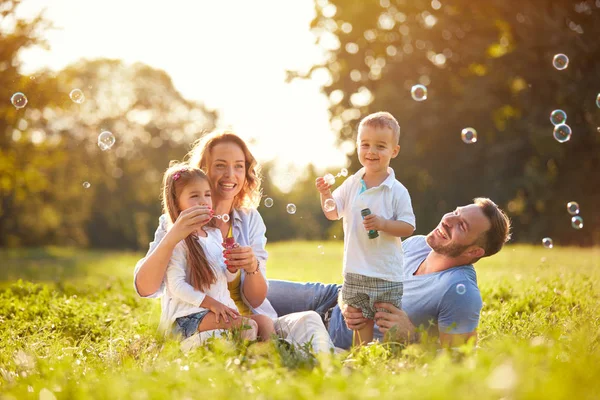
<point x="208" y="259"/>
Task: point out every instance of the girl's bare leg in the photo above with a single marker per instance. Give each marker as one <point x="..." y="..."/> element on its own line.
<point x="266" y="328"/>
<point x="209" y="323"/>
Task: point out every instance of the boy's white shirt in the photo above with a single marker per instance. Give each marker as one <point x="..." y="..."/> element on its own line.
<point x="381" y="257"/>
<point x="181" y="298"/>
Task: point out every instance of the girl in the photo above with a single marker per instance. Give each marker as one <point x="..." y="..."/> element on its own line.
<point x="197" y="298"/>
<point x="234" y="176"/>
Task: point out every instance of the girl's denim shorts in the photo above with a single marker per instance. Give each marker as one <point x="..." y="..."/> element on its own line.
<point x="188" y="325"/>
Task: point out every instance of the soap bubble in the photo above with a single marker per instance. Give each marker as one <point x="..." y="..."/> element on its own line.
<point x="329" y="179"/>
<point x="577" y="222"/>
<point x="573" y="208"/>
<point x="419" y="92"/>
<point x="558" y="117"/>
<point x="547" y="242"/>
<point x="461" y="289"/>
<point x="225" y="217"/>
<point x="268" y="202"/>
<point x="329" y="205"/>
<point x="562" y="133"/>
<point x="19" y="100"/>
<point x="77" y="96"/>
<point x="560" y="61"/>
<point x="106" y="140"/>
<point x="344" y="171"/>
<point x="86" y="185"/>
<point x="291" y="208"/>
<point x="468" y="135"/>
<point x="598" y="100"/>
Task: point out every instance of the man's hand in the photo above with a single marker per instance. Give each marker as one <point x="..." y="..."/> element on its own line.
<point x="395" y="324"/>
<point x="374" y="222"/>
<point x="354" y="317"/>
<point x="322" y="186"/>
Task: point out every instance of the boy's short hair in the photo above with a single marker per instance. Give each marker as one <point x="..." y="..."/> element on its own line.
<point x="382" y="119"/>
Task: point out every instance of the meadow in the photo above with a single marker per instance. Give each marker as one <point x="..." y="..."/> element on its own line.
<point x="72" y="327"/>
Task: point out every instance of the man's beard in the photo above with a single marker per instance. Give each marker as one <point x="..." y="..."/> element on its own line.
<point x="451" y="250"/>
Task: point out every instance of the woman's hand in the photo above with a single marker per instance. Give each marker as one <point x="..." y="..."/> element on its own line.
<point x="189" y="221"/>
<point x="240" y="258"/>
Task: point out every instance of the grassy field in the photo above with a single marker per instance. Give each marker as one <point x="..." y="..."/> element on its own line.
<point x="71" y="326"/>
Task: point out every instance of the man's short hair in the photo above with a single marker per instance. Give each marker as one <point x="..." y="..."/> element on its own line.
<point x="382" y="119"/>
<point x="494" y="238"/>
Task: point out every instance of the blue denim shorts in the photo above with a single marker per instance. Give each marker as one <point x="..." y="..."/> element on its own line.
<point x="188" y="325"/>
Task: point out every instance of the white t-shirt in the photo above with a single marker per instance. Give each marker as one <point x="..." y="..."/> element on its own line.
<point x="381" y="257"/>
<point x="181" y="298"/>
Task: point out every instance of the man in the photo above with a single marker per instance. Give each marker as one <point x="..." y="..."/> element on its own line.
<point x="440" y="284"/>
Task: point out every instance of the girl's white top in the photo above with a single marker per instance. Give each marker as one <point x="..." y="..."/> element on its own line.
<point x="180" y="298"/>
<point x="248" y="230"/>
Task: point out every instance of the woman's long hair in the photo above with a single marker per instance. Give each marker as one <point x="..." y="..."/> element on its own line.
<point x="249" y="196"/>
<point x="175" y="179"/>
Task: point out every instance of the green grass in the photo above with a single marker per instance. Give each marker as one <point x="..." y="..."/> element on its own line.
<point x="74" y="328"/>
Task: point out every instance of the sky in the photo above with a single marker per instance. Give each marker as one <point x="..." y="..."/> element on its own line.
<point x="229" y="54"/>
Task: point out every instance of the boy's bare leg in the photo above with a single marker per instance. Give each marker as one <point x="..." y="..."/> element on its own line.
<point x="364" y="335"/>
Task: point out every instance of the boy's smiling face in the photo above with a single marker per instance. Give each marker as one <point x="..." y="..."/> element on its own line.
<point x="376" y="147"/>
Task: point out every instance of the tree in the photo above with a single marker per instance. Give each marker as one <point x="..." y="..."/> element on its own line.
<point x="486" y="65"/>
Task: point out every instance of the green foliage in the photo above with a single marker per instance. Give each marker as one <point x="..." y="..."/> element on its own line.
<point x="487" y="65"/>
<point x="49" y="148"/>
<point x="81" y="332"/>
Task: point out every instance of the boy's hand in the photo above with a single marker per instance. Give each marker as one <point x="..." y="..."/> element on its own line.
<point x="374" y="222"/>
<point x="322" y="186"/>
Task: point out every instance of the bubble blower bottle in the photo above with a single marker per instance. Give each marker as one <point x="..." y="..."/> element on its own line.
<point x="372" y="233"/>
<point x="230" y="244"/>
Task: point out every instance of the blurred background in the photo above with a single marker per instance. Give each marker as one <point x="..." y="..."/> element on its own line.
<point x="294" y="79"/>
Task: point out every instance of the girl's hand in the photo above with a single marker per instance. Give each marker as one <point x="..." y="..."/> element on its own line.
<point x="373" y="222"/>
<point x="189" y="221"/>
<point x="322" y="186"/>
<point x="222" y="311"/>
<point x="240" y="258"/>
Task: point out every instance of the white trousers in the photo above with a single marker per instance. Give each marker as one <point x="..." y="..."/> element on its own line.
<point x="297" y="328"/>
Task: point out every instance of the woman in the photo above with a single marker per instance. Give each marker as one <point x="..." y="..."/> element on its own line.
<point x="235" y="181"/>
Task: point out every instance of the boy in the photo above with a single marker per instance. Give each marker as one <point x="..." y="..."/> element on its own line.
<point x="373" y="256"/>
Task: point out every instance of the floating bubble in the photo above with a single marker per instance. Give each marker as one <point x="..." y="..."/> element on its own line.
<point x="558" y="117"/>
<point x="291" y="208"/>
<point x="268" y="202"/>
<point x="598" y="100"/>
<point x="77" y="96"/>
<point x="468" y="135"/>
<point x="86" y="185"/>
<point x="419" y="92"/>
<point x="19" y="100"/>
<point x="560" y="61"/>
<point x="577" y="222"/>
<point x="562" y="133"/>
<point x="320" y="247"/>
<point x="547" y="242"/>
<point x="461" y="289"/>
<point x="329" y="205"/>
<point x="573" y="208"/>
<point x="329" y="179"/>
<point x="106" y="140"/>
